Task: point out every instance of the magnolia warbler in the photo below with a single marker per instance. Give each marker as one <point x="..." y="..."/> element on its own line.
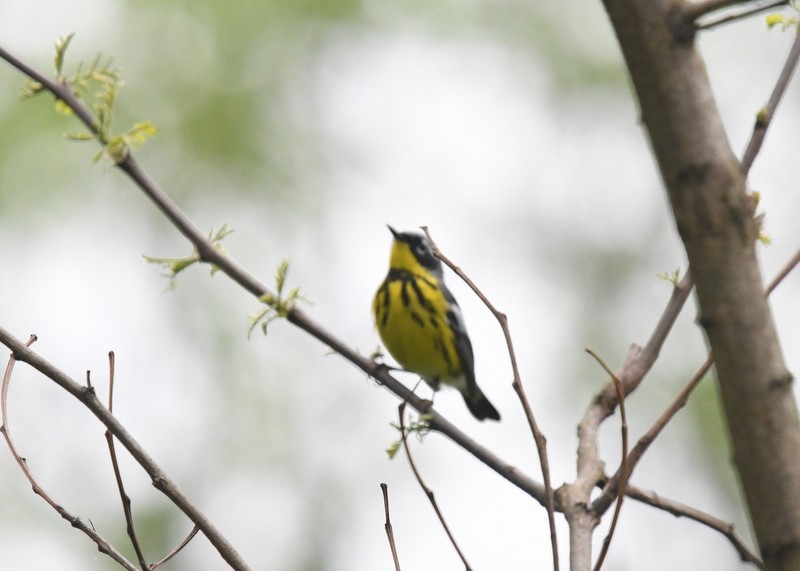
<point x="420" y="322"/>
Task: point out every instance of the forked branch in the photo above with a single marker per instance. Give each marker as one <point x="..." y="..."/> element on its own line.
<point x="103" y="545"/>
<point x="162" y="482"/>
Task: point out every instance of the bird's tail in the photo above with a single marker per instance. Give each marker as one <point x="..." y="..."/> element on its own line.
<point x="479" y="405"/>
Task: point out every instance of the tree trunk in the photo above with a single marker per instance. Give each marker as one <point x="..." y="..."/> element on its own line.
<point x="714" y="215"/>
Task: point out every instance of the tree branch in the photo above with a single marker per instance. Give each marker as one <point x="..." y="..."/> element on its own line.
<point x="575" y="498"/>
<point x="623" y="468"/>
<point x="707" y="25"/>
<point x="681" y="510"/>
<point x="698" y="9"/>
<point x="103" y="545"/>
<point x="388" y="526"/>
<point x="161" y="481"/>
<point x="764" y="117"/>
<point x="177" y="549"/>
<point x="126" y="500"/>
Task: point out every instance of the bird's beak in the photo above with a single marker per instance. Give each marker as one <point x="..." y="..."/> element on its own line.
<point x="392" y="230"/>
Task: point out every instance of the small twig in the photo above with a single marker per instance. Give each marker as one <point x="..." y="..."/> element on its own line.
<point x="102" y="544"/>
<point x="388" y="525"/>
<point x="511" y="473"/>
<point x="126" y="500"/>
<point x="695" y="10"/>
<point x="766" y="114"/>
<point x="538" y="436"/>
<point x="176" y="549"/>
<point x="644" y="442"/>
<point x="428" y="492"/>
<point x="636" y="368"/>
<point x="159" y="478"/>
<point x="783" y="272"/>
<point x="623" y="464"/>
<point x="741" y="14"/>
<point x="681" y="510"/>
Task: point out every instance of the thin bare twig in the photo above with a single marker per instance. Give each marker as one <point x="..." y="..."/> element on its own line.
<point x="681" y="510"/>
<point x="126" y="500"/>
<point x="538" y="436"/>
<point x="695" y="10"/>
<point x="388" y="525"/>
<point x="754" y="11"/>
<point x="623" y="464"/>
<point x="766" y="114"/>
<point x="177" y="549"/>
<point x="611" y="489"/>
<point x="783" y="272"/>
<point x="102" y="544"/>
<point x="641" y="361"/>
<point x="162" y="482"/>
<point x="428" y="492"/>
<point x="511" y="473"/>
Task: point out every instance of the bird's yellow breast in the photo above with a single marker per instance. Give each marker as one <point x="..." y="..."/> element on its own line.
<point x="411" y="317"/>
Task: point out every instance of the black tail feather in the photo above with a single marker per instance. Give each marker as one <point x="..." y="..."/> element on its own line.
<point x="480" y="407"/>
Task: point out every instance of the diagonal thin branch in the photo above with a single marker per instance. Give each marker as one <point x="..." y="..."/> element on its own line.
<point x="787" y="268"/>
<point x="538" y="436"/>
<point x="611" y="489"/>
<point x="388" y="525"/>
<point x="102" y="544"/>
<point x="753" y="11"/>
<point x="681" y="510"/>
<point x="511" y="473"/>
<point x="126" y="500"/>
<point x="765" y="116"/>
<point x="695" y="10"/>
<point x="177" y="549"/>
<point x="428" y="492"/>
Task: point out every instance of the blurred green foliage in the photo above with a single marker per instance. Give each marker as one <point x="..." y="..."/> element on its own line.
<point x="220" y="80"/>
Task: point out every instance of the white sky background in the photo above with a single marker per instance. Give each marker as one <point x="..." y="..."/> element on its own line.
<point x="515" y="180"/>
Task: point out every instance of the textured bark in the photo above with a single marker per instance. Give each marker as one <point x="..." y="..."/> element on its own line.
<point x="714" y="216"/>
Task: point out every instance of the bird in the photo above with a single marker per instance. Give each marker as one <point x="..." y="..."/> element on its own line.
<point x="420" y="322"/>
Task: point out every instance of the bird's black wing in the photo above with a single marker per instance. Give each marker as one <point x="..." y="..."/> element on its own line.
<point x="463" y="345"/>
